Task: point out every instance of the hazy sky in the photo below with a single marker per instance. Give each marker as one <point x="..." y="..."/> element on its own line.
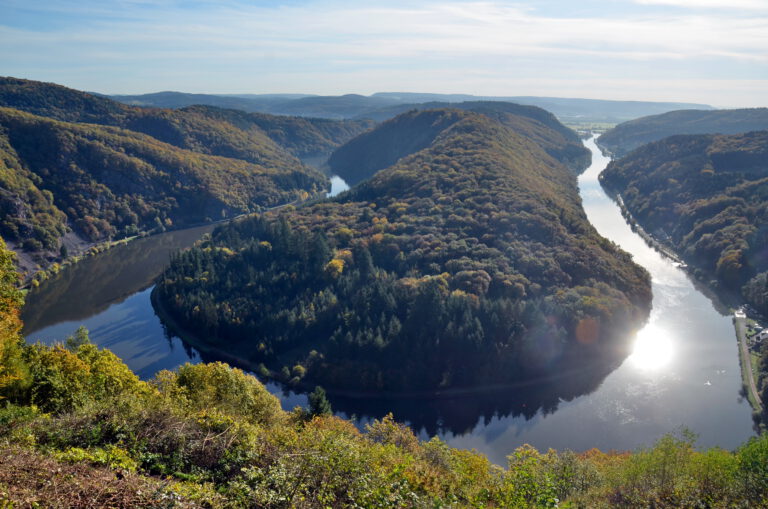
<point x="711" y="51"/>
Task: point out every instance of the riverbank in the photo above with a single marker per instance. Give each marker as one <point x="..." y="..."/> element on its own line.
<point x="719" y="301"/>
<point x="586" y="370"/>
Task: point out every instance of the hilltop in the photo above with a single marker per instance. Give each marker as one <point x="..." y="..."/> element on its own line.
<point x="628" y="136"/>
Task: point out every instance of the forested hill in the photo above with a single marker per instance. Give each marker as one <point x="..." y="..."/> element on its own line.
<point x="416" y="129"/>
<point x="258" y="138"/>
<point x="708" y="196"/>
<point x="303" y="137"/>
<point x="626" y="137"/>
<point x="384" y="146"/>
<point x="469" y="262"/>
<point x="106" y="182"/>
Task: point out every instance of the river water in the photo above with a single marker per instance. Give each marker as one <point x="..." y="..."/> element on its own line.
<point x="683" y="372"/>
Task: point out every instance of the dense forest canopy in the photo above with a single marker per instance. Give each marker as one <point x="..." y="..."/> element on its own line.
<point x="80" y="163"/>
<point x="630" y="135"/>
<point x="468" y="262"/>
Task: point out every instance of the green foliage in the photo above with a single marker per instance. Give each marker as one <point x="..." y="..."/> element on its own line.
<point x="13" y="372"/>
<point x="218" y="439"/>
<point x="216" y="385"/>
<point x="469" y="262"/>
<point x="318" y="403"/>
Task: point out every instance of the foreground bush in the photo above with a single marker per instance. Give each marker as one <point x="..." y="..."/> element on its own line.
<point x="212" y="436"/>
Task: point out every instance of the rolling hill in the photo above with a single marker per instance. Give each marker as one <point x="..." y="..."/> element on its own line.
<point x="626" y="137"/>
<point x="262" y="139"/>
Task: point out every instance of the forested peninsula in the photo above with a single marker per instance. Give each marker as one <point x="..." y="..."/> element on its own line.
<point x="468" y="262"/>
<point x="706" y="196"/>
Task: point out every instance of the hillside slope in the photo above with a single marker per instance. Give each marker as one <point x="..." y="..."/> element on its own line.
<point x="106" y="182"/>
<point x="469" y="262"/>
<point x="626" y="137"/>
<point x="707" y="195"/>
<point x="410" y="132"/>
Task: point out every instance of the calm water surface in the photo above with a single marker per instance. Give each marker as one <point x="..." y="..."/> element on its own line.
<point x="684" y="371"/>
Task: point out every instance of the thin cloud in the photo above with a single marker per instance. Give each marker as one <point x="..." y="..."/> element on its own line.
<point x="230" y="46"/>
<point x="756" y="5"/>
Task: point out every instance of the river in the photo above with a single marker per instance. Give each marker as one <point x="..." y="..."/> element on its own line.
<point x="683" y="372"/>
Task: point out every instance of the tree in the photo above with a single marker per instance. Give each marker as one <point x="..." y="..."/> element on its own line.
<point x="318" y="403"/>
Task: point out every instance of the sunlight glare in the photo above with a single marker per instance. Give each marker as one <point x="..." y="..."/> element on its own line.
<point x="653" y="348"/>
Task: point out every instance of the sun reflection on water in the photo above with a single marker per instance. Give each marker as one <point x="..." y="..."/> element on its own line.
<point x="653" y="348"/>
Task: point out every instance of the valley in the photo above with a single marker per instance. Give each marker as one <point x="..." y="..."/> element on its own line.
<point x="610" y="407"/>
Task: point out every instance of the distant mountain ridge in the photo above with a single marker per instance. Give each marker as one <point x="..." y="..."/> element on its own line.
<point x="377" y="106"/>
<point x="628" y="136"/>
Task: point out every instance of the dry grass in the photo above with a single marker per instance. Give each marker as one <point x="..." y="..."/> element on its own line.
<point x="29" y="479"/>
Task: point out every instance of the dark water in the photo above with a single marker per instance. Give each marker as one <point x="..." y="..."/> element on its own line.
<point x="684" y="371"/>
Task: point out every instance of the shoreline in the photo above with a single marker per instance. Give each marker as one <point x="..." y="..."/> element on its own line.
<point x="747" y="377"/>
<point x="93" y="249"/>
<point x="605" y="362"/>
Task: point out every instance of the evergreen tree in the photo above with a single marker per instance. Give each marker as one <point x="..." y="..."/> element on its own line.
<point x="318" y="403"/>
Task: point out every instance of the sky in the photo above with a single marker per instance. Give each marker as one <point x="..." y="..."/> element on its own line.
<point x="704" y="51"/>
